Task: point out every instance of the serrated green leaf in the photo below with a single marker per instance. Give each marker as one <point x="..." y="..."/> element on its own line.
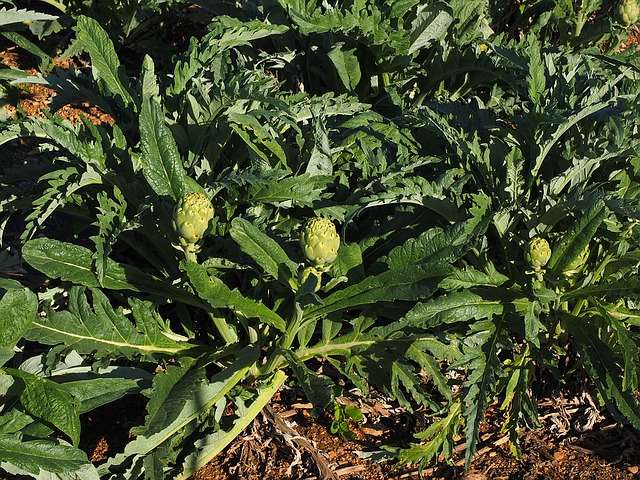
<point x="601" y="365"/>
<point x="218" y="295"/>
<point x="451" y="308"/>
<point x="150" y="89"/>
<point x="318" y="389"/>
<point x="212" y="445"/>
<point x="470" y="277"/>
<point x="48" y="401"/>
<point x="431" y="23"/>
<point x="38" y="456"/>
<point x="106" y="65"/>
<point x="536" y="78"/>
<point x="73" y="263"/>
<point x="18" y="309"/>
<point x="14" y="420"/>
<point x="438" y="438"/>
<point x="320" y="160"/>
<point x="347" y="65"/>
<point x="98" y="328"/>
<point x="349" y="258"/>
<point x="437" y="245"/>
<point x="181" y="395"/>
<point x="95" y="392"/>
<point x="429" y="366"/>
<point x="261" y="248"/>
<point x="485" y="366"/>
<point x="160" y="159"/>
<point x="9" y="16"/>
<point x="630" y="354"/>
<point x="563" y="128"/>
<point x="300" y="190"/>
<point x="404" y="284"/>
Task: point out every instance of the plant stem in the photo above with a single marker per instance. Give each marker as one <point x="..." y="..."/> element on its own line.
<point x="223" y="328"/>
<point x="286" y="341"/>
<point x="383" y="81"/>
<point x="225" y="331"/>
<point x="596" y="276"/>
<point x="190" y="256"/>
<point x="580" y="23"/>
<point x="211" y="450"/>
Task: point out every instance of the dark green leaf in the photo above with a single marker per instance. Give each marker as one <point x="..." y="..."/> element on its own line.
<point x="218" y="295"/>
<point x="160" y="159"/>
<point x="18" y="308"/>
<point x="50" y="402"/>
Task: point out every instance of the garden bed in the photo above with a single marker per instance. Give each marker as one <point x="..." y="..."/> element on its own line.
<point x="295" y="240"/>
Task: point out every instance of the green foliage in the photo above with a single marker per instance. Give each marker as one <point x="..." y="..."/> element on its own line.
<point x="434" y="140"/>
<point x="93" y="39"/>
<point x="48" y="401"/>
<point x="101" y="330"/>
<point x="342" y="414"/>
<point x="18" y="310"/>
<point x="9" y="16"/>
<point x="37" y="457"/>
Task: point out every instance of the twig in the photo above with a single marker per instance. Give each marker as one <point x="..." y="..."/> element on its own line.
<point x="324" y="469"/>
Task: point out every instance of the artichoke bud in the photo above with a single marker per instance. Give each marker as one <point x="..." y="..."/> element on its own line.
<point x="538" y="252"/>
<point x="628" y="12"/>
<point x="311" y="275"/>
<point x="191" y="217"/>
<point x="577" y="263"/>
<point x="320" y="241"/>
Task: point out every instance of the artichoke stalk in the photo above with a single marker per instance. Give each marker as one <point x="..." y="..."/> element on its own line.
<point x="320" y="241"/>
<point x="310" y="274"/>
<point x="628" y="12"/>
<point x="538" y="252"/>
<point x="191" y="217"/>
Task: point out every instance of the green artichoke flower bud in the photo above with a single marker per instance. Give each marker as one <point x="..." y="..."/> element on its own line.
<point x="628" y="12"/>
<point x="320" y="241"/>
<point x="313" y="273"/>
<point x="576" y="265"/>
<point x="191" y="217"/>
<point x="538" y="252"/>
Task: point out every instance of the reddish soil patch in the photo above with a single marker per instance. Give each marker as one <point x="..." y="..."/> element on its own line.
<point x="544" y="459"/>
<point x="265" y="452"/>
<point x="632" y="39"/>
<point x="35" y="100"/>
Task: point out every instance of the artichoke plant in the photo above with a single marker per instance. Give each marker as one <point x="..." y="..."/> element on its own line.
<point x="320" y="241"/>
<point x="575" y="266"/>
<point x="628" y="12"/>
<point x="191" y="218"/>
<point x="538" y="252"/>
<point x="311" y="275"/>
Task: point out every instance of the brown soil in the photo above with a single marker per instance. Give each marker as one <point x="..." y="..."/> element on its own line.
<point x="266" y="453"/>
<point x="574" y="441"/>
<point x="553" y="452"/>
<point x="35" y="100"/>
<point x="632" y="39"/>
<point x="544" y="459"/>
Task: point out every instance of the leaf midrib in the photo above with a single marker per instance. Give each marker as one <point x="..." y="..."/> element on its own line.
<point x="146" y="348"/>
